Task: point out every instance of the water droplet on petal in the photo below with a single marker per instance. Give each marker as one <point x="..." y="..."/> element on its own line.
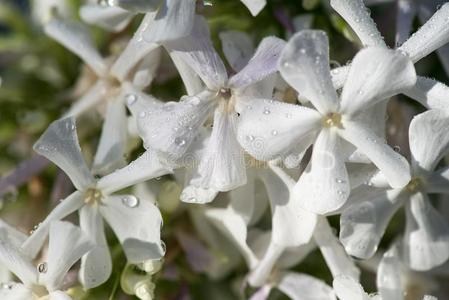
<point x="131" y="99"/>
<point x="274" y="132"/>
<point x="130" y="201"/>
<point x="142" y="114"/>
<point x="42" y="268"/>
<point x="266" y="111"/>
<point x="180" y="142"/>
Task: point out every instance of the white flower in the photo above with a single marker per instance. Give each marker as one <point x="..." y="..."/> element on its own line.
<point x="426" y="239"/>
<point x="255" y="6"/>
<point x="172" y="128"/>
<point x="431" y="36"/>
<point x="43" y="10"/>
<point x="136" y="223"/>
<point x="67" y="244"/>
<point x="282" y="129"/>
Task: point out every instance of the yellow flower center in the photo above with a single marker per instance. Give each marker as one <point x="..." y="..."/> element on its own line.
<point x="332" y="120"/>
<point x="92" y="196"/>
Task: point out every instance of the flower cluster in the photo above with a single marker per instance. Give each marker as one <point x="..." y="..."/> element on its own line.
<point x="273" y="133"/>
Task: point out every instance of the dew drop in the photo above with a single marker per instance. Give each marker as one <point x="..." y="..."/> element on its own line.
<point x="274" y="132"/>
<point x="42" y="268"/>
<point x="142" y="114"/>
<point x="397" y="148"/>
<point x="130" y="201"/>
<point x="180" y="142"/>
<point x="266" y="111"/>
<point x="250" y="138"/>
<point x="131" y="99"/>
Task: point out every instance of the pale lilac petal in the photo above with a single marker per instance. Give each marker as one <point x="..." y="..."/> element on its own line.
<point x="107" y="17"/>
<point x="394" y="167"/>
<point x="324" y="186"/>
<point x="110" y="153"/>
<point x="174" y="19"/>
<point x="255" y="6"/>
<point x="145" y="167"/>
<point x="430" y="93"/>
<point x="192" y="82"/>
<point x="96" y="265"/>
<point x="233" y="226"/>
<point x="59" y="143"/>
<point x="429" y="138"/>
<point x="389" y="277"/>
<point x="304" y="64"/>
<point x="363" y="224"/>
<point x="333" y="252"/>
<point x="426" y="238"/>
<point x="172" y="127"/>
<point x="137" y="224"/>
<point x="431" y="36"/>
<point x="304" y="287"/>
<point x="268" y="129"/>
<point x="347" y="288"/>
<point x="67" y="243"/>
<point x="197" y="51"/>
<point x="222" y="168"/>
<point x="136" y="50"/>
<point x="263" y="63"/>
<point x="237" y="48"/>
<point x="67" y="206"/>
<point x="139" y="6"/>
<point x="89" y="100"/>
<point x="12" y="258"/>
<point x="358" y="17"/>
<point x="76" y="37"/>
<point x="375" y="75"/>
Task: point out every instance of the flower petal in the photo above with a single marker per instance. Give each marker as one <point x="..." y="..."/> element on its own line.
<point x="324" y="186"/>
<point x="347" y="288"/>
<point x="107" y="17"/>
<point x="333" y="252"/>
<point x="233" y="226"/>
<point x="237" y="48"/>
<point x="198" y="195"/>
<point x="431" y="36"/>
<point x="438" y="182"/>
<point x="243" y="199"/>
<point x="67" y="243"/>
<point x="146" y="70"/>
<point x="59" y="143"/>
<point x="426" y="238"/>
<point x="137" y="224"/>
<point x="138" y="6"/>
<point x="15" y="260"/>
<point x="145" y="167"/>
<point x="430" y="93"/>
<point x="96" y="265"/>
<point x="136" y="50"/>
<point x="358" y="17"/>
<point x="222" y="168"/>
<point x="389" y="277"/>
<point x="394" y="167"/>
<point x="89" y="100"/>
<point x="255" y="6"/>
<point x="363" y="224"/>
<point x="16" y="237"/>
<point x="197" y="51"/>
<point x="15" y="291"/>
<point x="111" y="148"/>
<point x="192" y="82"/>
<point x="286" y="210"/>
<point x="76" y="37"/>
<point x="304" y="287"/>
<point x="375" y="75"/>
<point x="174" y="20"/>
<point x="172" y="128"/>
<point x="67" y="206"/>
<point x="59" y="295"/>
<point x="268" y="129"/>
<point x="429" y="138"/>
<point x="304" y="64"/>
<point x="263" y="63"/>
